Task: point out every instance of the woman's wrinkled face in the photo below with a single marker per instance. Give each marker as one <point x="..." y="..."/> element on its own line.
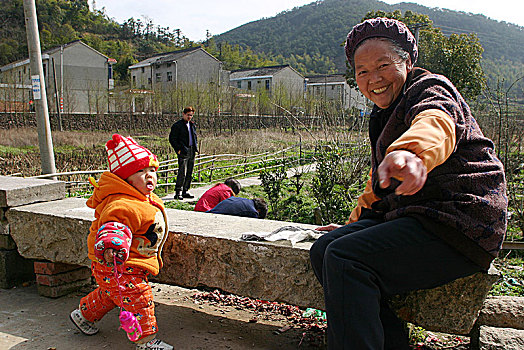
<point x="380" y="72"/>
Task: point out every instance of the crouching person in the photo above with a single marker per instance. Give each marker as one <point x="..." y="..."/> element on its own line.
<point x="130" y="227"/>
<point x="245" y="207"/>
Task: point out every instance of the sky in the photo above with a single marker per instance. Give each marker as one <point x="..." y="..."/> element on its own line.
<point x="195" y="17"/>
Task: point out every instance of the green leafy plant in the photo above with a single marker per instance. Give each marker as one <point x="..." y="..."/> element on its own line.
<point x="330" y="196"/>
<point x="512" y="281"/>
<point x="272" y="185"/>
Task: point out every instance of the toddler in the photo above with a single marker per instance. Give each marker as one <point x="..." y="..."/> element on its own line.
<point x="130" y="226"/>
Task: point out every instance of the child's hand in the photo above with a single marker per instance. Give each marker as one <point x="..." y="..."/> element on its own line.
<point x="109" y="254"/>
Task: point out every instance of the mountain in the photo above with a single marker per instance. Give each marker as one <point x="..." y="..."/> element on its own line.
<point x="321" y="28"/>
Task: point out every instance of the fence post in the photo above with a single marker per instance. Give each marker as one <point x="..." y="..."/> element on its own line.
<point x="300" y="149"/>
<point x="166" y="179"/>
<point x="211" y="170"/>
<point x="199" y="173"/>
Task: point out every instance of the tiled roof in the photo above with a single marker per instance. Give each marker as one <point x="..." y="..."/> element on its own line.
<point x="51" y="51"/>
<point x="327" y="78"/>
<point x="166" y="57"/>
<point x="257" y="72"/>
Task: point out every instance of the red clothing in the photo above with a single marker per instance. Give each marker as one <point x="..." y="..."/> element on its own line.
<point x="213" y="196"/>
<point x="135" y="293"/>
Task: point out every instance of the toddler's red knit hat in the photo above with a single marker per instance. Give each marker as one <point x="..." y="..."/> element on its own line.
<point x="126" y="156"/>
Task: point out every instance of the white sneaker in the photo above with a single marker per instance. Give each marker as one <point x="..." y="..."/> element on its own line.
<point x="155" y="344"/>
<point x="86" y="327"/>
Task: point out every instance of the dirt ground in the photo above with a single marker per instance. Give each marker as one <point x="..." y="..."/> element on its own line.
<point x="187" y="319"/>
<point x="30" y="321"/>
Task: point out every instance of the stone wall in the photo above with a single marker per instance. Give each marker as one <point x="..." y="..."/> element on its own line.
<point x="14" y="268"/>
<point x="118" y="122"/>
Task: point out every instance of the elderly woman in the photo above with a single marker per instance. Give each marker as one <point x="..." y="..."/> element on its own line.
<point x="434" y="208"/>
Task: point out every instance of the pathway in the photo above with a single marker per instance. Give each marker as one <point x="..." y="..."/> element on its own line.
<point x="246" y="182"/>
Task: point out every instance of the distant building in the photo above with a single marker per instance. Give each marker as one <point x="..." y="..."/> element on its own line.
<point x="15" y="98"/>
<point x="75" y="72"/>
<point x="172" y="69"/>
<point x="268" y="78"/>
<point x="334" y="87"/>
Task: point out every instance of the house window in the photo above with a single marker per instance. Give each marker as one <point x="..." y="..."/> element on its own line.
<point x="134" y="80"/>
<point x="169" y="76"/>
<point x="267" y="84"/>
<point x="332" y="87"/>
<point x="169" y="65"/>
<point x="249" y="85"/>
<point x="158" y="77"/>
<point x="149" y="81"/>
<point x="239" y="84"/>
<point x="143" y="69"/>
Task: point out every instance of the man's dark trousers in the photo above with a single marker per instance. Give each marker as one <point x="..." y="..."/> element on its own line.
<point x="186" y="162"/>
<point x="362" y="264"/>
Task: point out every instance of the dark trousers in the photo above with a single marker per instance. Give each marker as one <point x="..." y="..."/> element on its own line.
<point x="186" y="163"/>
<point x="362" y="264"/>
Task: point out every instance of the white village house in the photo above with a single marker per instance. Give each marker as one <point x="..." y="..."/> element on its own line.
<point x="174" y="69"/>
<point x="269" y="78"/>
<point x="334" y="87"/>
<point x="77" y="77"/>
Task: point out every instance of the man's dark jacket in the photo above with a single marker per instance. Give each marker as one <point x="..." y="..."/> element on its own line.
<point x="179" y="137"/>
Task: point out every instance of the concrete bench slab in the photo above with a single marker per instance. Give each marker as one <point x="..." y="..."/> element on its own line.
<point x="206" y="250"/>
<point x="451" y="308"/>
<point x="15" y="191"/>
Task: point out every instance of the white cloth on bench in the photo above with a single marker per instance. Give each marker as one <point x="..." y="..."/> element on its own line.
<point x="294" y="234"/>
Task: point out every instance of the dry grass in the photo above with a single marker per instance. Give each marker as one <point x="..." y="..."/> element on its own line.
<point x="247" y="141"/>
<point x="75" y="150"/>
<point x="27" y="137"/>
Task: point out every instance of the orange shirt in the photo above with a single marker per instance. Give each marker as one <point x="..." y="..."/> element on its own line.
<point x="431" y="137"/>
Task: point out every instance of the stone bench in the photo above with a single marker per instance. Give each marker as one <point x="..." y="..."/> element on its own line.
<point x="206" y="250"/>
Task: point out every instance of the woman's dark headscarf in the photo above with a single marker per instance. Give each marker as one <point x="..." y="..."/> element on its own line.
<point x="381" y="28"/>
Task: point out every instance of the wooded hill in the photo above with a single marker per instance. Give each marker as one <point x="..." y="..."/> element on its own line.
<point x="309" y="38"/>
<point x="320" y="28"/>
<point x="63" y="21"/>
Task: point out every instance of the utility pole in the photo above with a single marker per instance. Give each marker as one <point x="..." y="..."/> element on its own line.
<point x="416" y="28"/>
<point x="45" y="142"/>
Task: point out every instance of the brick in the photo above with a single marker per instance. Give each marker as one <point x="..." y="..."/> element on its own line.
<point x="14" y="269"/>
<point x="64" y="289"/>
<point x="64" y="277"/>
<point x="7" y="243"/>
<point x="52" y="268"/>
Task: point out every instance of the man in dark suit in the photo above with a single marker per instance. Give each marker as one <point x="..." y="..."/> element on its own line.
<point x="183" y="139"/>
